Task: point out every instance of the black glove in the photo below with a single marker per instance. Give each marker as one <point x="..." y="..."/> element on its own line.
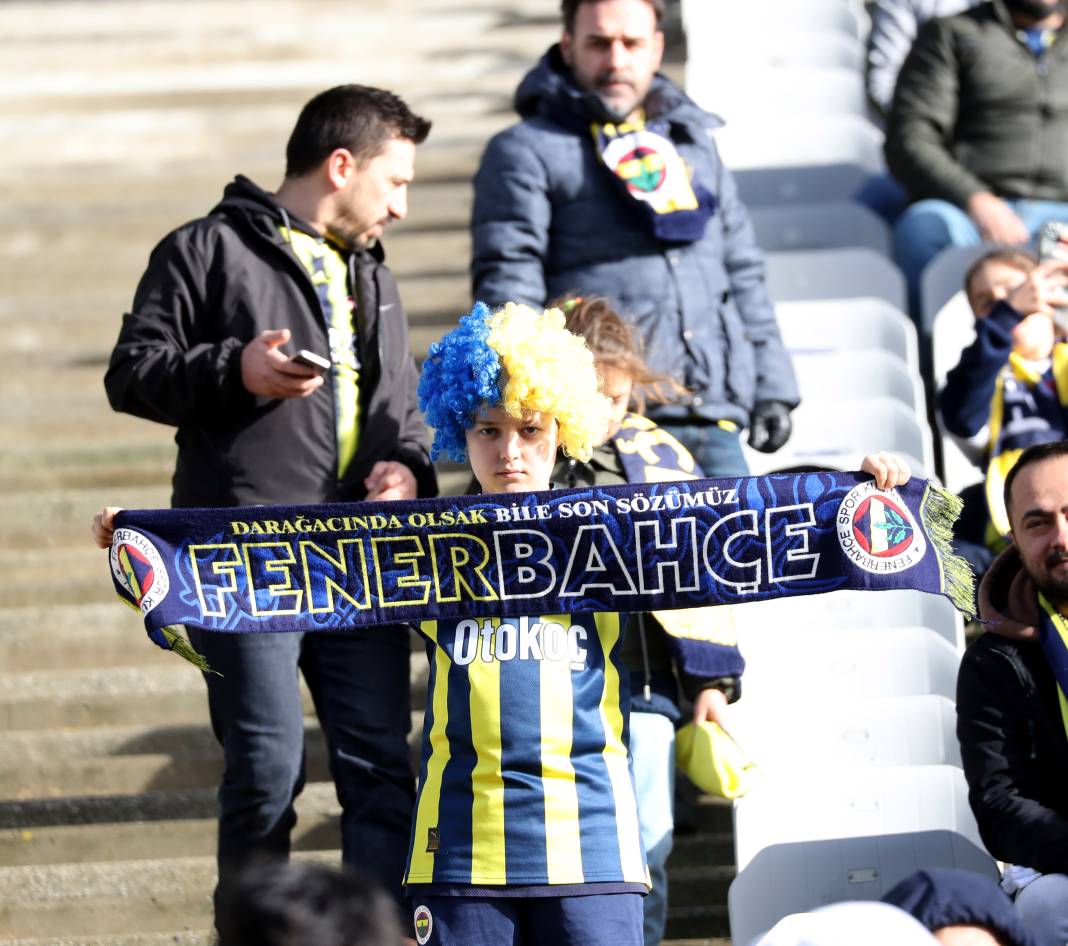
<point x="770" y="426"/>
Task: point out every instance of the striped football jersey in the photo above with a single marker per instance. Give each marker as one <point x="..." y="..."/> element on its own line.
<point x="524" y="775"/>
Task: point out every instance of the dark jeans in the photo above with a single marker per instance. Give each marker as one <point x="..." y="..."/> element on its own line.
<point x="359" y="683"/>
<point x="718" y="452"/>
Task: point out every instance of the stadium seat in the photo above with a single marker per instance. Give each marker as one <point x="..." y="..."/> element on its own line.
<point x="832" y="666"/>
<point x="725" y="55"/>
<point x="833" y="326"/>
<point x="841" y="224"/>
<point x="824" y="438"/>
<point x="800" y="184"/>
<point x="715" y="18"/>
<point x="759" y="90"/>
<point x="944" y="278"/>
<point x="822" y="802"/>
<point x="830" y="377"/>
<point x="803" y="139"/>
<point x="798" y="877"/>
<point x="897" y="608"/>
<point x="834" y="274"/>
<point x="906" y="730"/>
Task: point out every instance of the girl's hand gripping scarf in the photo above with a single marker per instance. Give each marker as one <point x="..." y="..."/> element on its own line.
<point x="641" y="547"/>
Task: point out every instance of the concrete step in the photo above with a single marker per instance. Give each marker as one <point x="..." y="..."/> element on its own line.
<point x="163" y="824"/>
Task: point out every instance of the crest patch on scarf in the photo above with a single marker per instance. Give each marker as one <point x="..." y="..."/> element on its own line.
<point x="878" y="532"/>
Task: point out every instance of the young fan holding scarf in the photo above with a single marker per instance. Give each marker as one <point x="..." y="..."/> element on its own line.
<point x="1012" y="710"/>
<point x="525" y="829"/>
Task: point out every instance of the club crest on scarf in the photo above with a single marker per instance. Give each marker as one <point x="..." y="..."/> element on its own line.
<point x="877" y="531"/>
<point x="138" y="568"/>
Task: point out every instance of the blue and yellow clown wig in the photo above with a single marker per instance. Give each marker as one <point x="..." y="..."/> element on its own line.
<point x="520" y="360"/>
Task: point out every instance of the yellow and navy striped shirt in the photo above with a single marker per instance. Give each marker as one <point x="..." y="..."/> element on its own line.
<point x="525" y="778"/>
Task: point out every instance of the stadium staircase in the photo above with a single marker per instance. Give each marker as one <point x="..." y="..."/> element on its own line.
<point x="121" y="120"/>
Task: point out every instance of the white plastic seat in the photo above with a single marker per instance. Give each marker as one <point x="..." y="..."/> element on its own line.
<point x="822" y="433"/>
<point x="831" y="376"/>
<point x="899" y="607"/>
<point x="820" y="802"/>
<point x="791" y="667"/>
<point x="797" y="140"/>
<point x="944" y="278"/>
<point x="725" y="57"/>
<point x="714" y="18"/>
<point x="842" y="326"/>
<point x="834" y="274"/>
<point x="819" y="226"/>
<point x="799" y="184"/>
<point x="801" y="876"/>
<point x="907" y="730"/>
<point x="758" y="90"/>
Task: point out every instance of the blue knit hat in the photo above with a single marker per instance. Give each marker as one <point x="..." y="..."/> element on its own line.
<point x="944" y="896"/>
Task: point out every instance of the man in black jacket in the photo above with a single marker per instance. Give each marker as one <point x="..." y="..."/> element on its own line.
<point x="1012" y="719"/>
<point x="207" y="347"/>
<point x="978" y="130"/>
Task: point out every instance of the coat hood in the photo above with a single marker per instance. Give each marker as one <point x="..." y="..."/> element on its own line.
<point x="549" y="91"/>
<point x="1008" y="598"/>
<point x="245" y="199"/>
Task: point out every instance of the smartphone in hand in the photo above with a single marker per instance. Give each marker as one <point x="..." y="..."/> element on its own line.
<point x="1053" y="244"/>
<point x="310" y="360"/>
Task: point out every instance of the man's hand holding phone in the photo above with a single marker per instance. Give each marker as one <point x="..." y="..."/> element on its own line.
<point x="268" y="372"/>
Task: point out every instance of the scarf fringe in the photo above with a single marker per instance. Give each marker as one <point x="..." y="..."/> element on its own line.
<point x="185" y="650"/>
<point x="938" y="511"/>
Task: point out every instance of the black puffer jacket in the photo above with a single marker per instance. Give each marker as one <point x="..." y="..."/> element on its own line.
<point x="974" y="109"/>
<point x="1009" y="725"/>
<point x="210" y="287"/>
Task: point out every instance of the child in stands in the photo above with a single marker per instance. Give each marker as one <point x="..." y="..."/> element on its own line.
<point x="695" y="650"/>
<point x="1010" y="388"/>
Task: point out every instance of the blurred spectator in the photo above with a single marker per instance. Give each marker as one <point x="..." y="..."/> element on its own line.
<point x="961" y="908"/>
<point x="857" y="923"/>
<point x="893" y="28"/>
<point x="978" y="131"/>
<point x="1010" y="387"/>
<point x="225" y="302"/>
<point x="277" y="903"/>
<point x="1011" y="690"/>
<point x="611" y="185"/>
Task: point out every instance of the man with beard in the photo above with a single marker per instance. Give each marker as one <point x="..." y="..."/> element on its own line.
<point x="1012" y="713"/>
<point x="978" y="131"/>
<point x="225" y="303"/>
<point x="611" y="185"/>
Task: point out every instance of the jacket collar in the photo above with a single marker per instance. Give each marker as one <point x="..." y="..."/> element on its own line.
<point x="1008" y="598"/>
<point x="549" y="91"/>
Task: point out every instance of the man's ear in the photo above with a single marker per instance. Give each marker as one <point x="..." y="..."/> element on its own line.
<point x="658" y="47"/>
<point x="565" y="47"/>
<point x="339" y="168"/>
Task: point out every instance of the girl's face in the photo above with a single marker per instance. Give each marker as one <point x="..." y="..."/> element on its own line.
<point x="616" y="385"/>
<point x="512" y="454"/>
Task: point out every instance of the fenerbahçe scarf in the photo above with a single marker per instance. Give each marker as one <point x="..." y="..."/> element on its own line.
<point x="640" y="547"/>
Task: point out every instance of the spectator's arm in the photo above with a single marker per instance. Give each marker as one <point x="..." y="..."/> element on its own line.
<point x="964" y="402"/>
<point x="995" y="744"/>
<point x="510" y="223"/>
<point x="893" y="28"/>
<point x="165" y="365"/>
<point x="744" y="262"/>
<point x="921" y="123"/>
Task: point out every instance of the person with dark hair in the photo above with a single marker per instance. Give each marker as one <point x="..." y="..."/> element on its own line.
<point x="1010" y="388"/>
<point x="961" y="908"/>
<point x="1011" y="696"/>
<point x="278" y="903"/>
<point x="611" y="185"/>
<point x="272" y="336"/>
<point x="977" y="133"/>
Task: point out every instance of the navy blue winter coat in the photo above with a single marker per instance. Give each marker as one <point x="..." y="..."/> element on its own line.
<point x="549" y="218"/>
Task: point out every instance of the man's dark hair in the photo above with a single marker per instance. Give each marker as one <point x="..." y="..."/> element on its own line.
<point x="357" y="117"/>
<point x="569" y="8"/>
<point x="292" y="903"/>
<point x="1032" y="455"/>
